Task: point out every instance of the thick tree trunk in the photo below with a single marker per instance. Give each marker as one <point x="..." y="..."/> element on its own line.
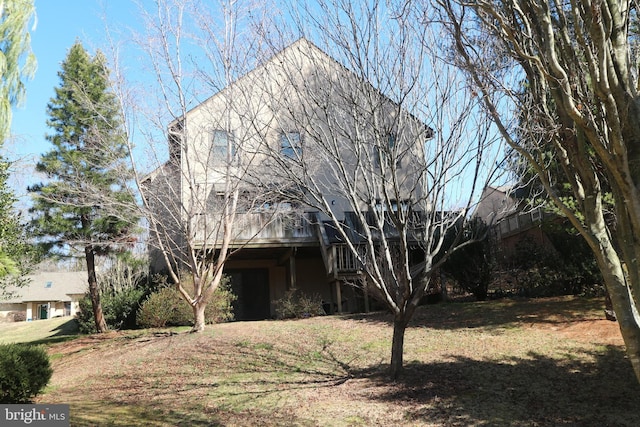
<point x="397" y="346"/>
<point x="628" y="324"/>
<point x="618" y="290"/>
<point x="198" y="317"/>
<point x="94" y="292"/>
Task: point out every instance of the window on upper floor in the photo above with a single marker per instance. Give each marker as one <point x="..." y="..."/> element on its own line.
<point x="383" y="153"/>
<point x="390" y="211"/>
<point x="393" y="205"/>
<point x="291" y="145"/>
<point x="223" y="147"/>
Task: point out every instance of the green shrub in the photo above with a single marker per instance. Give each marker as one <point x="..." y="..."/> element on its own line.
<point x="566" y="268"/>
<point x="86" y="323"/>
<point x="24" y="372"/>
<point x="123" y="287"/>
<point x="472" y="266"/>
<point x="121" y="307"/>
<point x="295" y="304"/>
<point x="166" y="307"/>
<point x="163" y="308"/>
<point x="119" y="310"/>
<point x="220" y="307"/>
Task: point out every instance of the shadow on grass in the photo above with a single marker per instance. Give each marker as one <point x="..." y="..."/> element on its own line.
<point x="581" y="388"/>
<point x="586" y="389"/>
<point x="498" y="313"/>
<point x="65" y="332"/>
<point x="105" y="414"/>
<point x="218" y="382"/>
<point x="210" y="385"/>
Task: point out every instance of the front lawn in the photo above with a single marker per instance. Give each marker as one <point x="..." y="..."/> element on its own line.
<point x="500" y="363"/>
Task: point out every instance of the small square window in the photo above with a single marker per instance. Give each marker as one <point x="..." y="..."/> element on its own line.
<point x="223" y="147"/>
<point x="291" y="145"/>
<point x="384" y="153"/>
<point x="391" y="141"/>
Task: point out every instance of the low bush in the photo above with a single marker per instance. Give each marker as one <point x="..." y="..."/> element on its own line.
<point x="123" y="287"/>
<point x="295" y="304"/>
<point x="119" y="310"/>
<point x="24" y="372"/>
<point x="221" y="305"/>
<point x="567" y="268"/>
<point x="166" y="307"/>
<point x="473" y="265"/>
<point x="86" y="322"/>
<point x="17" y="316"/>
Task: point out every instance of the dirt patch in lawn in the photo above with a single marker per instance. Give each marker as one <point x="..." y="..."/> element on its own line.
<point x="552" y="362"/>
<point x="603" y="332"/>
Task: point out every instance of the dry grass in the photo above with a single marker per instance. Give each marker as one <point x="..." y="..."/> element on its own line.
<point x="546" y="362"/>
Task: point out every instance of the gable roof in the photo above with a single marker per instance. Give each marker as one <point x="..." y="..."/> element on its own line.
<point x="49" y="286"/>
<point x="307" y="49"/>
<point x="277" y="58"/>
<point x="496" y="203"/>
<point x="302" y="46"/>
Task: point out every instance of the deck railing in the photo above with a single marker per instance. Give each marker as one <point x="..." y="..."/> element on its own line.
<point x="259" y="227"/>
<point x="519" y="221"/>
<point x="342" y="260"/>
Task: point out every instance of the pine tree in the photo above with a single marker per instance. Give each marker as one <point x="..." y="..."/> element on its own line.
<point x="85" y="206"/>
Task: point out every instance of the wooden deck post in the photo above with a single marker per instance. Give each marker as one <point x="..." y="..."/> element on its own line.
<point x="365" y="291"/>
<point x="292" y="270"/>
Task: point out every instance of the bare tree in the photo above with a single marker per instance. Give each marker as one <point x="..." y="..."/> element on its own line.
<point x="386" y="142"/>
<point x="196" y="198"/>
<point x="573" y="68"/>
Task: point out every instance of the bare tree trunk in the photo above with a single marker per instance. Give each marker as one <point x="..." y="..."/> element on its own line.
<point x="580" y="108"/>
<point x="94" y="292"/>
<point x="627" y="322"/>
<point x="190" y="202"/>
<point x="198" y="317"/>
<point x="397" y="346"/>
<point x="618" y="290"/>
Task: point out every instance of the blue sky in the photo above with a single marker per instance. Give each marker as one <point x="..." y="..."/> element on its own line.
<point x="59" y="24"/>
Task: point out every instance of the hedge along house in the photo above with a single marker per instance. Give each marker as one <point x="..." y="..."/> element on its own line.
<point x="246" y="137"/>
<point x="46" y="295"/>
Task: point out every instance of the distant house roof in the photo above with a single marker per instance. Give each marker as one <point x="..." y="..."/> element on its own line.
<point x="495" y="203"/>
<point x="49" y="286"/>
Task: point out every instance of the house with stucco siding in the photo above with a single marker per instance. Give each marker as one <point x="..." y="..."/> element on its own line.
<point x="45" y="295"/>
<point x="277" y="245"/>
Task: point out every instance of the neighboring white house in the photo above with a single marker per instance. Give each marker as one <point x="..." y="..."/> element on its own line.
<point x="258" y="117"/>
<point x="46" y="295"/>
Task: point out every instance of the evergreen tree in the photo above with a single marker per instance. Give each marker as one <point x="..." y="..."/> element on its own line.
<point x="17" y="253"/>
<point x="86" y="206"/>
